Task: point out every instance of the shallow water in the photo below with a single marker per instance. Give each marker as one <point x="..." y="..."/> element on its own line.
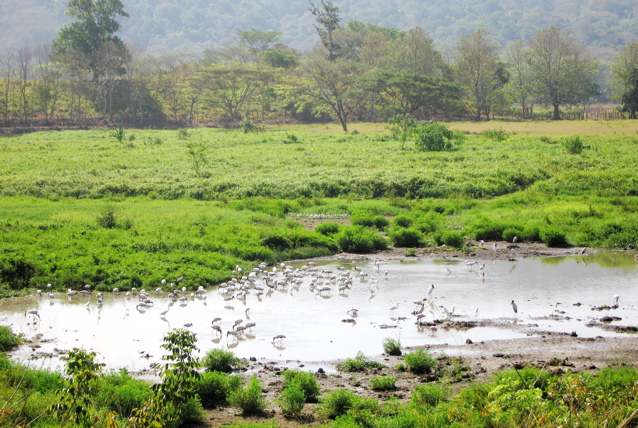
<point x="313" y="322"/>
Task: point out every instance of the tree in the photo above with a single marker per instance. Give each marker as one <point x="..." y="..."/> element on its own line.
<point x="561" y="71"/>
<point x="96" y="26"/>
<point x="332" y="87"/>
<point x="258" y="41"/>
<point x="477" y="67"/>
<point x="415" y="53"/>
<point x="625" y="71"/>
<point x="7" y="73"/>
<point x="327" y="22"/>
<point x="520" y="85"/>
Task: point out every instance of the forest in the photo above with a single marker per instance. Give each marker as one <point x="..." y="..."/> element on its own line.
<point x="356" y="72"/>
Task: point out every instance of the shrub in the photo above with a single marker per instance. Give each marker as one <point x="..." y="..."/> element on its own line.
<point x="420" y="362"/>
<point x="510" y="233"/>
<point x="552" y="236"/>
<point x="215" y="387"/>
<point x="292" y="400"/>
<point x="121" y="393"/>
<point x="358" y="364"/>
<point x="369" y="220"/>
<point x="337" y="403"/>
<point x="8" y="340"/>
<point x="434" y="136"/>
<point x="428" y="396"/>
<point x="391" y="346"/>
<point x="247" y="126"/>
<point x="359" y="239"/>
<point x="402" y="220"/>
<point x="328" y="228"/>
<point x="119" y="133"/>
<point x="450" y="238"/>
<point x="249" y="399"/>
<point x="306" y="381"/>
<point x="407" y="237"/>
<point x="383" y="383"/>
<point x="221" y="361"/>
<point x="291" y="139"/>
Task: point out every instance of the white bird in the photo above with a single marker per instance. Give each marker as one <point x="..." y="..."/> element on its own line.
<point x="33" y="313"/>
<point x="495" y="246"/>
<point x="163" y="313"/>
<point x="430" y="291"/>
<point x="616" y="297"/>
<point x="394" y="308"/>
<point x="515" y="307"/>
<point x="278" y="338"/>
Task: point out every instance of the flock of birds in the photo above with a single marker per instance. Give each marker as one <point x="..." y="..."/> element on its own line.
<point x="264" y="281"/>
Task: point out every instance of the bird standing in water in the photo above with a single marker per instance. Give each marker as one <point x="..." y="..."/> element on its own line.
<point x="515" y="307"/>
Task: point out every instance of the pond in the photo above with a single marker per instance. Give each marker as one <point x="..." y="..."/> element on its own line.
<point x="313" y="310"/>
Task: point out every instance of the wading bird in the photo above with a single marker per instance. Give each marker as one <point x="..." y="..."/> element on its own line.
<point x="515" y="307"/>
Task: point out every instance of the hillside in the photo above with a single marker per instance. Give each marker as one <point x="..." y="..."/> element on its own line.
<point x="194" y="25"/>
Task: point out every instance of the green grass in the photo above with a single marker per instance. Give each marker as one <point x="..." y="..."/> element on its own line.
<point x="77" y="207"/>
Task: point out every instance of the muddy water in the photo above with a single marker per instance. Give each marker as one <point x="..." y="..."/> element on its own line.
<point x="551" y="295"/>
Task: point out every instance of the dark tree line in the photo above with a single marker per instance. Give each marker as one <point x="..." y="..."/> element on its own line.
<point x="356" y="72"/>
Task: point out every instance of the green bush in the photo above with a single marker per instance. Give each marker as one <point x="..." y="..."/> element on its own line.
<point x="215" y="387"/>
<point x="402" y="220"/>
<point x="337" y="403"/>
<point x="434" y="136"/>
<point x="450" y="238"/>
<point x="419" y="362"/>
<point x="370" y="220"/>
<point x="553" y="236"/>
<point x="328" y="228"/>
<point x="306" y="381"/>
<point x="391" y="346"/>
<point x="8" y="340"/>
<point x="221" y="361"/>
<point x="427" y="396"/>
<point x="292" y="400"/>
<point x="510" y="233"/>
<point x="121" y="393"/>
<point x="359" y="239"/>
<point x="383" y="383"/>
<point x="358" y="364"/>
<point x="403" y="238"/>
<point x="249" y="399"/>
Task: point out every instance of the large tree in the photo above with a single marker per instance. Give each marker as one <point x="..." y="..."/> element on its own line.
<point x="625" y="78"/>
<point x="478" y="68"/>
<point x="95" y="28"/>
<point x="562" y="72"/>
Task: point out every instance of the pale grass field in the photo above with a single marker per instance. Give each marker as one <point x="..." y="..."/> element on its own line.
<point x="522" y="128"/>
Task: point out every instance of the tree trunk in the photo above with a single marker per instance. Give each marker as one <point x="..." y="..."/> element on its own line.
<point x="556" y="113"/>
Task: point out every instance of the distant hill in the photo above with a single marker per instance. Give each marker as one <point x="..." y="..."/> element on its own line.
<point x="194" y="25"/>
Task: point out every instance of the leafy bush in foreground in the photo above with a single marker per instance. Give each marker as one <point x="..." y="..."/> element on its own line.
<point x="306" y="381"/>
<point x="249" y="399"/>
<point x="420" y="361"/>
<point x="8" y="339"/>
<point x="221" y="361"/>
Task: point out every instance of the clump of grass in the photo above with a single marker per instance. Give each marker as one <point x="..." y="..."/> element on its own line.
<point x="221" y="361"/>
<point x="341" y="401"/>
<point x="574" y="145"/>
<point x="420" y="362"/>
<point x="391" y="346"/>
<point x="427" y="396"/>
<point x="249" y="399"/>
<point x="359" y="363"/>
<point x="383" y="383"/>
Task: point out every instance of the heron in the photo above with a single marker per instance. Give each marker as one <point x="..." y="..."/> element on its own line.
<point x="515" y="307"/>
<point x="163" y="313"/>
<point x="394" y="308"/>
<point x="616" y="297"/>
<point x="430" y="291"/>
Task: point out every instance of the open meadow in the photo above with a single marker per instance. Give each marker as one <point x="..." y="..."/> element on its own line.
<point x="130" y="209"/>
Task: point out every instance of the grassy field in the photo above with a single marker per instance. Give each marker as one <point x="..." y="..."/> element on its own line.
<point x="80" y="207"/>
